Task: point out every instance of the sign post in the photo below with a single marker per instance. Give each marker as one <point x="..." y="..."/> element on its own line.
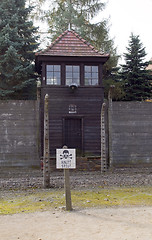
<point x="67" y="190"/>
<point x="66" y="159"/>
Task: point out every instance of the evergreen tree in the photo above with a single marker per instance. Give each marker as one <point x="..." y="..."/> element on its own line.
<point x="17" y="44"/>
<point x="136" y="78"/>
<point x="114" y="80"/>
<point x="79" y="14"/>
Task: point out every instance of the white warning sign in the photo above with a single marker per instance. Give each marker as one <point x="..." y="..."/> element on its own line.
<point x="65" y="158"/>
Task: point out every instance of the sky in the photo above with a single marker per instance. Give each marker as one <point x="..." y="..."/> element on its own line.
<point x="128" y="16"/>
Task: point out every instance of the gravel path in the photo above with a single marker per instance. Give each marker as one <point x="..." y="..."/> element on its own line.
<point x="26" y="178"/>
<point x="132" y="223"/>
<point x="124" y="223"/>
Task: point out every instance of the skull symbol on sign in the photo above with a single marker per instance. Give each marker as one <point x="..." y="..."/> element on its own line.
<point x="66" y="155"/>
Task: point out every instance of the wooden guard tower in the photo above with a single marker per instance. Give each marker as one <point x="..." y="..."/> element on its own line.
<point x="71" y="75"/>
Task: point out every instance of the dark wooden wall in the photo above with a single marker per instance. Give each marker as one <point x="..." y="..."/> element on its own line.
<point x="88" y="101"/>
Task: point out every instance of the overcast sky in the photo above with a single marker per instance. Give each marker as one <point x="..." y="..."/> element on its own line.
<point x="128" y="16"/>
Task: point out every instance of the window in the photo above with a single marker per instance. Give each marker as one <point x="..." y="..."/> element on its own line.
<point x="91" y="75"/>
<point x="72" y="108"/>
<point x="53" y="74"/>
<point x="72" y="75"/>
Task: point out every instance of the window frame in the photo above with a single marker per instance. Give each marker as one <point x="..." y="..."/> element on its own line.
<point x="53" y="71"/>
<point x="79" y="75"/>
<point x="62" y="80"/>
<point x="91" y="74"/>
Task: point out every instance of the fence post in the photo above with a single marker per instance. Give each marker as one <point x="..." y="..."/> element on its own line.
<point x="46" y="164"/>
<point x="110" y="124"/>
<point x="38" y="119"/>
<point x="103" y="140"/>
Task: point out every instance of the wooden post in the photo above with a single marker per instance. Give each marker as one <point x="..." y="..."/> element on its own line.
<point x="110" y="124"/>
<point x="103" y="140"/>
<point x="46" y="164"/>
<point x="38" y="90"/>
<point x="38" y="118"/>
<point x="67" y="188"/>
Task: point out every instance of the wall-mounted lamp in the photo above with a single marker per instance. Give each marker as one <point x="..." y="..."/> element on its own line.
<point x="73" y="86"/>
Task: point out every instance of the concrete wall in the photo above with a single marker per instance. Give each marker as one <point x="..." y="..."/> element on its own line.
<point x="131" y="136"/>
<point x="131" y="133"/>
<point x="18" y="133"/>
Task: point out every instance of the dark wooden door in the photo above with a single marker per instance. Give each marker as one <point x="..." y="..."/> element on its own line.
<point x="73" y="133"/>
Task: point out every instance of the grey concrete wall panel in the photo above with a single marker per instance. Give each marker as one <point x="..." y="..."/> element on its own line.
<point x="19" y="133"/>
<point x="132" y="133"/>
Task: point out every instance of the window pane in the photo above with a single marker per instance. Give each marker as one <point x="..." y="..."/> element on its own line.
<point x="57" y="78"/>
<point x="68" y="81"/>
<point x="54" y="81"/>
<point x="95" y="81"/>
<point x="51" y="81"/>
<point x="53" y="74"/>
<point x="49" y="68"/>
<point x="76" y="75"/>
<point x="68" y="68"/>
<point x="95" y="75"/>
<point x="76" y="69"/>
<point x="69" y="75"/>
<point x="87" y="81"/>
<point x="72" y="75"/>
<point x="57" y="75"/>
<point x="87" y="75"/>
<point x="49" y="75"/>
<point x="94" y="68"/>
<point x="58" y="81"/>
<point x="48" y="81"/>
<point x="57" y="68"/>
<point x="87" y="68"/>
<point x="91" y="75"/>
<point x="75" y="80"/>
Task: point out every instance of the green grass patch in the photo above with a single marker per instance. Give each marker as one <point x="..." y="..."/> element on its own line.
<point x="31" y="202"/>
<point x="42" y="200"/>
<point x="113" y="197"/>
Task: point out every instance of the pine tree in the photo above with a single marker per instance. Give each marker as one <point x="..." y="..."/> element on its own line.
<point x="17" y="45"/>
<point x="79" y="14"/>
<point x="136" y="78"/>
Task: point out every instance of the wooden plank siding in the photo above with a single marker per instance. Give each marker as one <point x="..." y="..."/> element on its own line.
<point x="88" y="101"/>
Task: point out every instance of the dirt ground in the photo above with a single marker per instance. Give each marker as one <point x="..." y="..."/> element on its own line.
<point x="108" y="223"/>
<point x="91" y="224"/>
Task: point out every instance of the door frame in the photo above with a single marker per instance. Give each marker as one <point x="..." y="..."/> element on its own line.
<point x="82" y="129"/>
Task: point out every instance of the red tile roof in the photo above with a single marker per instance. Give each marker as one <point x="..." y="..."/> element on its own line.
<point x="70" y="43"/>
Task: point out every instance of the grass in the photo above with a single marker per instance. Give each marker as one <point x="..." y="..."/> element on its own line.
<point x="114" y="197"/>
<point x="42" y="200"/>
